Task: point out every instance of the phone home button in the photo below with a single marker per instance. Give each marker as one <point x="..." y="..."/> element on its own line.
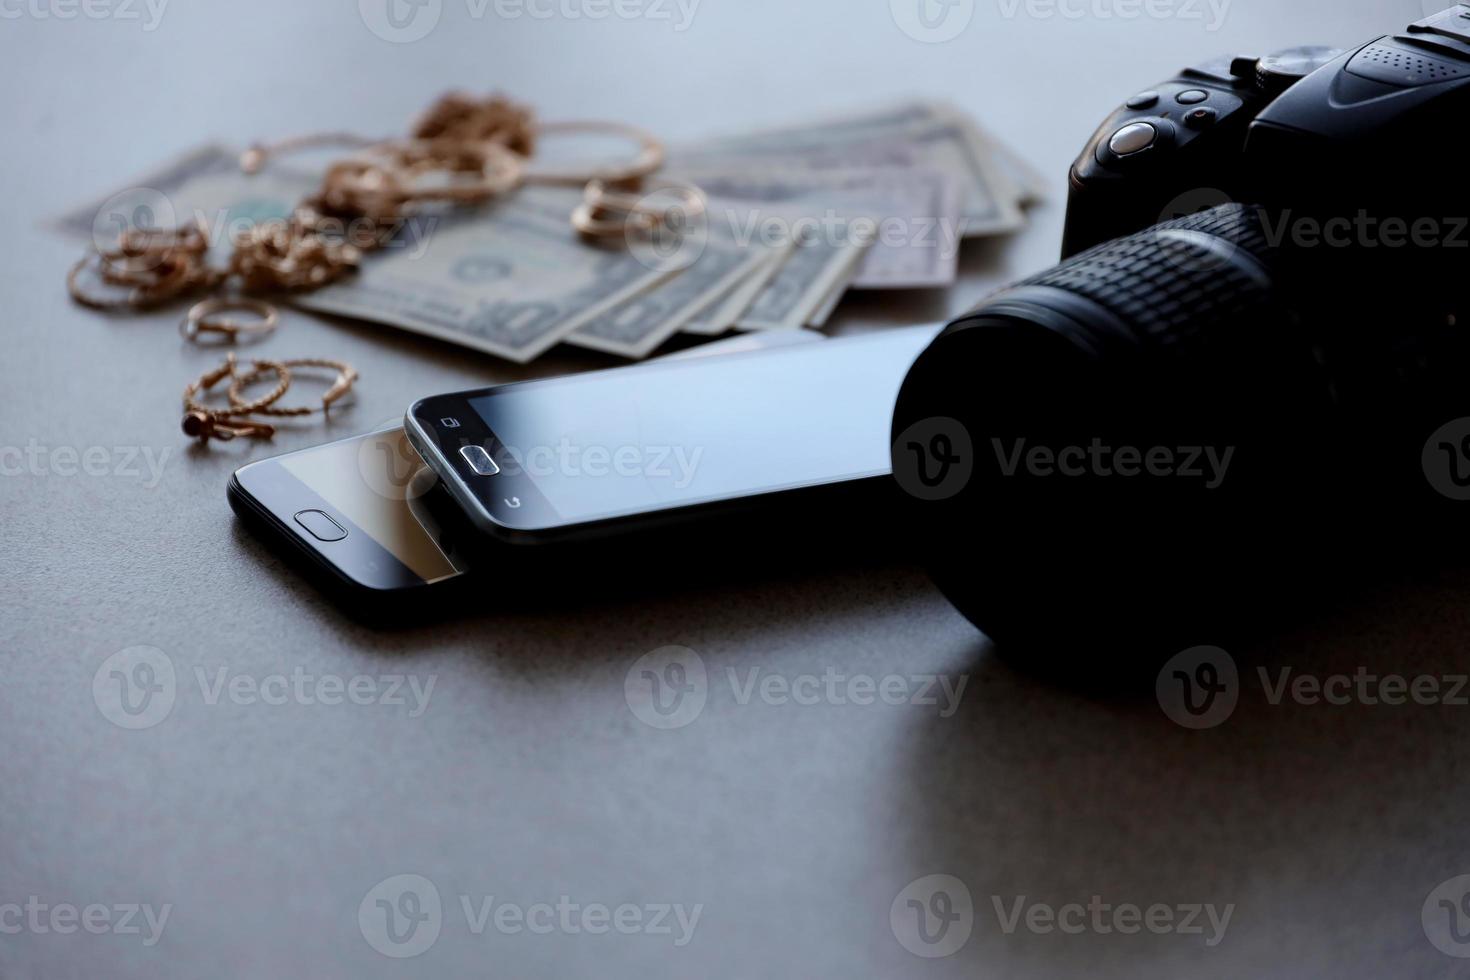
<point x="321" y="527"/>
<point x="479" y="460"/>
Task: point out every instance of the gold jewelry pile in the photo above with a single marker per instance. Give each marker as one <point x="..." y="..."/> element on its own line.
<point x="462" y="151"/>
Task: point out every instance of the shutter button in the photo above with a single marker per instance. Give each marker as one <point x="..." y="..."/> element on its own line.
<point x="1133" y="138"/>
<point x="1200" y="118"/>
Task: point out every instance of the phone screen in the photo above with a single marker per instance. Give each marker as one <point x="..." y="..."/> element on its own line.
<point x="665" y="435"/>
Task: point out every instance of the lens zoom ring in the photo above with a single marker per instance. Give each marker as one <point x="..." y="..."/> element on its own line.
<point x="1177" y="280"/>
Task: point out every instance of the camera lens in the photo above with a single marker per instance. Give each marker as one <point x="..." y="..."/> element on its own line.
<point x="1140" y="422"/>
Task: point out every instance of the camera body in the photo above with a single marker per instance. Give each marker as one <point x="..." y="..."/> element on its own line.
<point x="1243" y="374"/>
<point x="1173" y="147"/>
<point x="1304" y="128"/>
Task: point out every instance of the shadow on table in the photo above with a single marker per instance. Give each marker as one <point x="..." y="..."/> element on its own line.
<point x="1320" y="826"/>
<point x="1324" y="824"/>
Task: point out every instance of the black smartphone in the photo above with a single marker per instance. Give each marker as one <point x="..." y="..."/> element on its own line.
<point x="369" y="520"/>
<point x="662" y="443"/>
<point x="359" y="511"/>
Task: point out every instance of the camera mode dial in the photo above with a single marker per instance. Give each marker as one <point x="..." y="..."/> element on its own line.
<point x="1277" y="72"/>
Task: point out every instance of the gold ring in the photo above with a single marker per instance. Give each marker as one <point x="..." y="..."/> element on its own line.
<point x="204" y="318"/>
<point x="598" y="193"/>
<point x="606" y="213"/>
<point x="595" y="221"/>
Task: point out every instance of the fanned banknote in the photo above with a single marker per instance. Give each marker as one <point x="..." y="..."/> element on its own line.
<point x="827" y="307"/>
<point x="511" y="282"/>
<point x="917" y="134"/>
<point x="636" y="327"/>
<point x="721" y="315"/>
<point x="914" y="215"/>
<point x="819" y="260"/>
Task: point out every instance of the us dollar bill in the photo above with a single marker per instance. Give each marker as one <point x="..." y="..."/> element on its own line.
<point x="915" y="214"/>
<point x="639" y="325"/>
<point x="726" y="310"/>
<point x="509" y="280"/>
<point x="911" y="134"/>
<point x="204" y="185"/>
<point x="822" y="255"/>
<point x="818" y="318"/>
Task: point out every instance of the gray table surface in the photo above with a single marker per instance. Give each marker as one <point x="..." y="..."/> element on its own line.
<point x="526" y="778"/>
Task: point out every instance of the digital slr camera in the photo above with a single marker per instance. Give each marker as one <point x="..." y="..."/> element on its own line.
<point x="1248" y="375"/>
